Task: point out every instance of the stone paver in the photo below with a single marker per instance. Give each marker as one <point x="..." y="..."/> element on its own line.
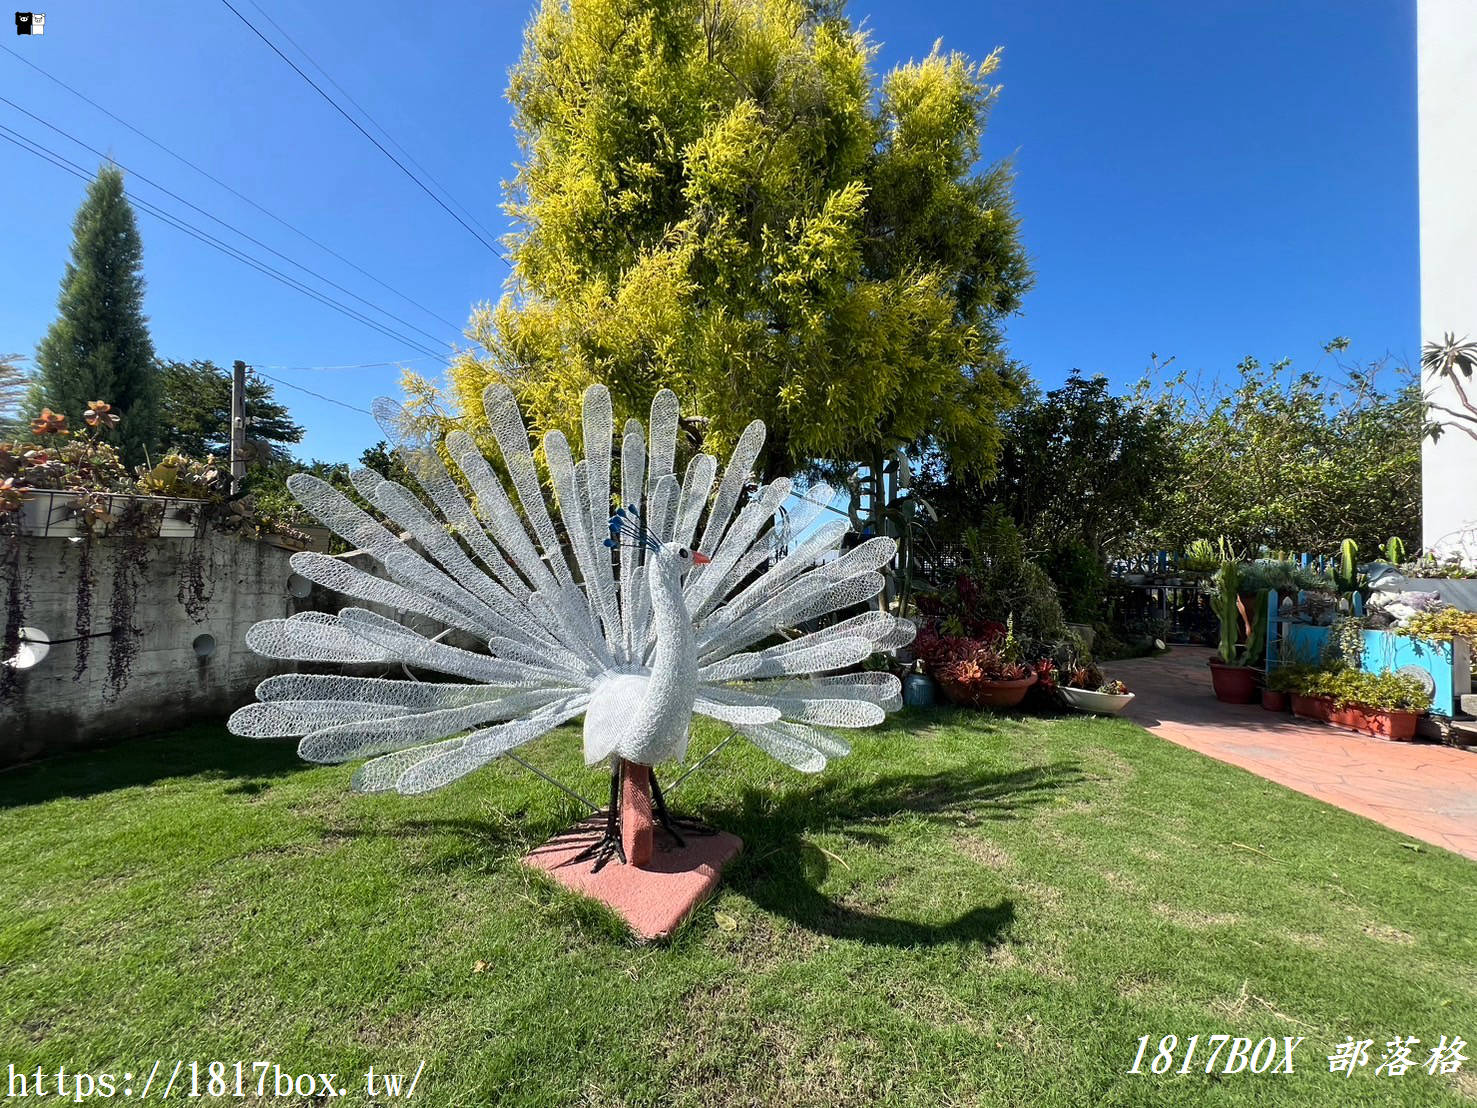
<point x="1423" y="790"/>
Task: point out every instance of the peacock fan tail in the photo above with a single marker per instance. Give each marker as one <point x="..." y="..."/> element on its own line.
<point x="658" y="612"/>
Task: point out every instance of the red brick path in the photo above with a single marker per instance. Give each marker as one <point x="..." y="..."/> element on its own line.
<point x="1423" y="790"/>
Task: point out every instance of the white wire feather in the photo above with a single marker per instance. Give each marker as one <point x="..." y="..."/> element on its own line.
<point x="674" y="613"/>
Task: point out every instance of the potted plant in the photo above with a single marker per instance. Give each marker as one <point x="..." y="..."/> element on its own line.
<point x="1087" y="690"/>
<point x="986" y="679"/>
<point x="185" y="486"/>
<point x="1281" y="685"/>
<point x="1385" y="704"/>
<point x="1233" y="672"/>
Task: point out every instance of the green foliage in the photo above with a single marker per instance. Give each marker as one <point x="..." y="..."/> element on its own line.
<point x="1200" y="557"/>
<point x="1443" y="623"/>
<point x="195" y="410"/>
<point x="1386" y="692"/>
<point x="1241" y="608"/>
<point x="1346" y="576"/>
<point x="1284" y="575"/>
<point x="1081" y="580"/>
<point x="99" y="346"/>
<point x="723" y="199"/>
<point x="1344" y="647"/>
<point x="1223" y="603"/>
<point x="1290" y="677"/>
<point x="1292" y="460"/>
<point x="1076" y="460"/>
<point x="1394" y="551"/>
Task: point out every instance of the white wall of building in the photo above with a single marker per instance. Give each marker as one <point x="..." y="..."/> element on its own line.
<point x="1446" y="35"/>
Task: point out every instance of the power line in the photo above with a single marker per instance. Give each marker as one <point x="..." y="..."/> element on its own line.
<point x="358" y="127"/>
<point x="374" y="122"/>
<point x="356" y="365"/>
<point x="310" y="392"/>
<point x="60" y="162"/>
<point x="240" y="196"/>
<point x="222" y="222"/>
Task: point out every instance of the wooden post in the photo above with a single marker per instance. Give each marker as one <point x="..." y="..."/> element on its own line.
<point x="238" y="426"/>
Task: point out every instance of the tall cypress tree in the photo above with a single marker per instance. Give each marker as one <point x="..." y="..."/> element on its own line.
<point x="99" y="346"/>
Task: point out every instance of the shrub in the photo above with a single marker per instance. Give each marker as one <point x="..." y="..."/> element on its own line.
<point x="1440" y="624"/>
<point x="1386" y="692"/>
<point x="1080" y="578"/>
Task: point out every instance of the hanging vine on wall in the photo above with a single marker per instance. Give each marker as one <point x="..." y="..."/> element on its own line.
<point x="84" y="605"/>
<point x="16" y="598"/>
<point x="192" y="593"/>
<point x="130" y="559"/>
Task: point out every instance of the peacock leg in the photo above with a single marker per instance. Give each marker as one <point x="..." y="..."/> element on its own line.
<point x="610" y="842"/>
<point x="670" y="824"/>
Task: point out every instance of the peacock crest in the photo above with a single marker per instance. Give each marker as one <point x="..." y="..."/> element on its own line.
<point x="643" y="605"/>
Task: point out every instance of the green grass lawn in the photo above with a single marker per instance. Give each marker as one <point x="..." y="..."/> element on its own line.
<point x="968" y="910"/>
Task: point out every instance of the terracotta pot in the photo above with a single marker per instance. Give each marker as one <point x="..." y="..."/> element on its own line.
<point x="1399" y="726"/>
<point x="1274" y="701"/>
<point x="986" y="694"/>
<point x="1312" y="707"/>
<point x="1232" y="684"/>
<point x="1375" y="721"/>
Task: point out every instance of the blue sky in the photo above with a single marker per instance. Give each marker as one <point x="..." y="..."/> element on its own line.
<point x="1204" y="179"/>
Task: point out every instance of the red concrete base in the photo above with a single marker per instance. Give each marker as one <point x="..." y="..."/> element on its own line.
<point x="653" y="899"/>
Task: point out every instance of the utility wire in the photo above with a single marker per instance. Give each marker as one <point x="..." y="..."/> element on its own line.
<point x="240" y="196"/>
<point x="249" y="238"/>
<point x="358" y="127"/>
<point x="356" y="365"/>
<point x="374" y="122"/>
<point x="310" y="392"/>
<point x="77" y="171"/>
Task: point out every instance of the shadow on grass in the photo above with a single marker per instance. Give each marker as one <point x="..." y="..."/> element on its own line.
<point x="196" y="751"/>
<point x="781" y="872"/>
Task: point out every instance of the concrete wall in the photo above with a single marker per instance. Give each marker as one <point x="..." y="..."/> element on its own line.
<point x="167" y="685"/>
<point x="1446" y="36"/>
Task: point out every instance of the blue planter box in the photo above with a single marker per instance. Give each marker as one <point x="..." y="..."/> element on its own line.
<point x="1448" y="663"/>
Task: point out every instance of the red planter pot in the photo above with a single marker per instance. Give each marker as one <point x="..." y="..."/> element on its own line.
<point x="1399" y="726"/>
<point x="1233" y="684"/>
<point x="989" y="694"/>
<point x="1374" y="721"/>
<point x="1274" y="701"/>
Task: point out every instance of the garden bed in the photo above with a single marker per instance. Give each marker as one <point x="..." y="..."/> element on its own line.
<point x="1398" y="725"/>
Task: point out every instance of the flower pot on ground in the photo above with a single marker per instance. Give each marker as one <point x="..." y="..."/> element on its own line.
<point x="1232" y="684"/>
<point x="1387" y="724"/>
<point x="1385" y="704"/>
<point x="1243" y="637"/>
<point x="984" y="693"/>
<point x="1274" y="701"/>
<point x="1095" y="700"/>
<point x="918" y="690"/>
<point x="1312" y="707"/>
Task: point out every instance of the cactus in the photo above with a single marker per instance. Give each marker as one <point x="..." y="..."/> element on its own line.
<point x="1231" y="610"/>
<point x="1224" y="602"/>
<point x="1394" y="550"/>
<point x="1256" y="635"/>
<point x="1346" y="569"/>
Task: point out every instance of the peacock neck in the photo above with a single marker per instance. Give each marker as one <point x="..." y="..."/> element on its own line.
<point x="669" y="619"/>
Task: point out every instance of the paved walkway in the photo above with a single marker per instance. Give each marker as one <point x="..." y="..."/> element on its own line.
<point x="1420" y="789"/>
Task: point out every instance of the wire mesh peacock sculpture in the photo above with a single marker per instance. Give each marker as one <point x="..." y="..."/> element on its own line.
<point x="677" y="604"/>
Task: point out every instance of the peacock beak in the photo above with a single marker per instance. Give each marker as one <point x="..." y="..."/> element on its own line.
<point x="700" y="559"/>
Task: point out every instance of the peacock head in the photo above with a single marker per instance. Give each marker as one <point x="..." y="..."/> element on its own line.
<point x="681" y="555"/>
<point x="628" y="528"/>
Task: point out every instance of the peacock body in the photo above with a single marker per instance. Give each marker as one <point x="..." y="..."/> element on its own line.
<point x="636" y="620"/>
